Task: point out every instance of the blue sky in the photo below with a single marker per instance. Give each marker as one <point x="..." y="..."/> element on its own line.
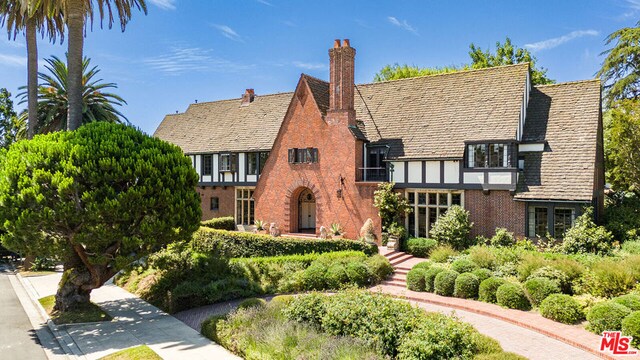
<point x="209" y="50"/>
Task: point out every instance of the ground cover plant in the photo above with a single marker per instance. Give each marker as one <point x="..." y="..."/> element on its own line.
<point x="84" y="313"/>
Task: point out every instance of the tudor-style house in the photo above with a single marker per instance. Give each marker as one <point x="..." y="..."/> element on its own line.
<point x="527" y="158"/>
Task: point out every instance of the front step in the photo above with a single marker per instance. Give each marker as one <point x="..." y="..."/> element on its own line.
<point x="400" y="259"/>
<point x="397" y="283"/>
<point x="398" y="277"/>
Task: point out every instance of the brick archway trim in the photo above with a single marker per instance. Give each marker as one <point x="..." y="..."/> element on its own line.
<point x="291" y="203"/>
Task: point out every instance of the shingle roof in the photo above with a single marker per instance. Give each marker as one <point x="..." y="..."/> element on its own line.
<point x="566" y="116"/>
<point x="432" y="116"/>
<point x="320" y="90"/>
<point x="225" y="125"/>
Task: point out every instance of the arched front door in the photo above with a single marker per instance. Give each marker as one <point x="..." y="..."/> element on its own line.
<point x="306" y="211"/>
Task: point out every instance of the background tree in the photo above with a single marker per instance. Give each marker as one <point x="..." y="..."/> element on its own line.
<point x="31" y="17"/>
<point x="622" y="150"/>
<point x="97" y="104"/>
<point x="76" y="12"/>
<point x="620" y="70"/>
<point x="12" y="126"/>
<point x="100" y="197"/>
<point x="506" y="54"/>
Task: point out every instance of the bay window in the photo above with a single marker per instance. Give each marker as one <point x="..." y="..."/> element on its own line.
<point x="488" y="155"/>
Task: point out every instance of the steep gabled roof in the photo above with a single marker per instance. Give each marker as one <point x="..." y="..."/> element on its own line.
<point x="226" y="125"/>
<point x="432" y="116"/>
<point x="567" y="117"/>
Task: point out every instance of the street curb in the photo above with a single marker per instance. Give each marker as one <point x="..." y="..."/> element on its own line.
<point x="64" y="339"/>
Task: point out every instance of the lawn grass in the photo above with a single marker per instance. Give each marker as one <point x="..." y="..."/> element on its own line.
<point x="142" y="352"/>
<point x="86" y="313"/>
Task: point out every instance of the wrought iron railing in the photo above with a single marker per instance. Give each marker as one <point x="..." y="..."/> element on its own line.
<point x="375" y="174"/>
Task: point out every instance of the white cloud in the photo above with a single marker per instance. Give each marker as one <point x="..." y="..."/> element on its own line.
<point x="265" y="2"/>
<point x="634" y="8"/>
<point x="164" y="4"/>
<point x="309" y="66"/>
<point x="13" y="60"/>
<point x="402" y="24"/>
<point x="228" y="32"/>
<point x="180" y="60"/>
<point x="557" y="41"/>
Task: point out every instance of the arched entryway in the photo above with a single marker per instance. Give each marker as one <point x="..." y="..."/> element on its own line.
<point x="306" y="211"/>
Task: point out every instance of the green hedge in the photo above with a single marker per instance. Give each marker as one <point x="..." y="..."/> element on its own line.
<point x="538" y="289"/>
<point x="221" y="223"/>
<point x="607" y="316"/>
<point x="512" y="296"/>
<point x="243" y="245"/>
<point x="420" y="247"/>
<point x="562" y="308"/>
<point x="415" y="279"/>
<point x="444" y="283"/>
<point x="466" y="286"/>
<point x="631" y="327"/>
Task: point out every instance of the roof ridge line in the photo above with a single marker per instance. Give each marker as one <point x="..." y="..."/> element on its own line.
<point x="569" y="82"/>
<point x="239" y="98"/>
<point x="315" y="78"/>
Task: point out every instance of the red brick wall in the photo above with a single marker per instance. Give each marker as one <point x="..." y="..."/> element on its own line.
<point x="496" y="209"/>
<point x="226" y="198"/>
<point x="338" y="152"/>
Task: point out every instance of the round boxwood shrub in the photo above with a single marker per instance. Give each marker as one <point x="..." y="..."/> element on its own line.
<point x="512" y="296"/>
<point x="488" y="288"/>
<point x="466" y="286"/>
<point x="537" y="289"/>
<point x="379" y="267"/>
<point x="415" y="279"/>
<point x="482" y="274"/>
<point x="430" y="277"/>
<point x="422" y="265"/>
<point x="314" y="277"/>
<point x="358" y="273"/>
<point x="562" y="308"/>
<point x="444" y="283"/>
<point x="607" y="316"/>
<point x="631" y="327"/>
<point x="463" y="265"/>
<point x="632" y="301"/>
<point x="554" y="274"/>
<point x="336" y="276"/>
<point x="209" y="327"/>
<point x="420" y="247"/>
<point x="252" y="302"/>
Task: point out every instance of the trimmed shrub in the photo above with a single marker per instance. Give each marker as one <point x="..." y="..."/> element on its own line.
<point x="537" y="289"/>
<point x="485" y="344"/>
<point x="553" y="274"/>
<point x="483" y="256"/>
<point x="358" y="273"/>
<point x="420" y="247"/>
<point x="430" y="277"/>
<point x="607" y="316"/>
<point x="466" y="286"/>
<point x="503" y="238"/>
<point x="221" y="223"/>
<point x="336" y="276"/>
<point x="512" y="296"/>
<point x="453" y="228"/>
<point x="632" y="301"/>
<point x="444" y="283"/>
<point x="488" y="289"/>
<point x="562" y="308"/>
<point x="439" y="337"/>
<point x="308" y="308"/>
<point x="379" y="267"/>
<point x="209" y="327"/>
<point x="252" y="302"/>
<point x="314" y="277"/>
<point x="442" y="253"/>
<point x="242" y="244"/>
<point x="587" y="237"/>
<point x="416" y="279"/>
<point x="423" y="265"/>
<point x="463" y="265"/>
<point x="482" y="274"/>
<point x="631" y="327"/>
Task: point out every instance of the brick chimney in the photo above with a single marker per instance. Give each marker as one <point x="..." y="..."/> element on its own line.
<point x="341" y="81"/>
<point x="248" y="97"/>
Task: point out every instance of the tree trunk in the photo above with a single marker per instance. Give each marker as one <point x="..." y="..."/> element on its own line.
<point x="27" y="263"/>
<point x="75" y="41"/>
<point x="32" y="77"/>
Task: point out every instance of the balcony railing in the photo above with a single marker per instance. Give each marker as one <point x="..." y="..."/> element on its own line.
<point x="376" y="174"/>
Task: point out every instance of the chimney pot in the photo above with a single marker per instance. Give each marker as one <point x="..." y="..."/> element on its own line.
<point x="346" y="43"/>
<point x="248" y="97"/>
<point x="336" y="43"/>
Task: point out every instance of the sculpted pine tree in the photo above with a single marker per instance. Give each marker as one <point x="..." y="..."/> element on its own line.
<point x="100" y="197"/>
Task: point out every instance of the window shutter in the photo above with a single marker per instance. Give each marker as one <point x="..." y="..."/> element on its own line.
<point x="292" y="156"/>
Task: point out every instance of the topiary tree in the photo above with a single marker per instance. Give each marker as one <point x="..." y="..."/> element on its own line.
<point x="587" y="237"/>
<point x="453" y="228"/>
<point x="99" y="197"/>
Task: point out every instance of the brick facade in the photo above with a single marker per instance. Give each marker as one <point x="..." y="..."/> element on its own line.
<point x="495" y="209"/>
<point x="226" y="203"/>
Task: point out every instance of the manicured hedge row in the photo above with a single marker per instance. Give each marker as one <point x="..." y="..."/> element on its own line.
<point x="221" y="223"/>
<point x="240" y="244"/>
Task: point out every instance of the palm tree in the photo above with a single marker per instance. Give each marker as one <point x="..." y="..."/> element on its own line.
<point x="32" y="16"/>
<point x="77" y="11"/>
<point x="53" y="102"/>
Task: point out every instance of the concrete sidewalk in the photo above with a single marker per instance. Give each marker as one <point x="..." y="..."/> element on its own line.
<point x="135" y="322"/>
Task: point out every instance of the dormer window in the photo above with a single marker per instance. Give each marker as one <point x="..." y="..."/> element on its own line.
<point x="488" y="155"/>
<point x="228" y="162"/>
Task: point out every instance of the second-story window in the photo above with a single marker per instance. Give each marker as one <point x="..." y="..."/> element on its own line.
<point x="488" y="155"/>
<point x="207" y="165"/>
<point x="477" y="155"/>
<point x="302" y="156"/>
<point x="228" y="162"/>
<point x="255" y="162"/>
